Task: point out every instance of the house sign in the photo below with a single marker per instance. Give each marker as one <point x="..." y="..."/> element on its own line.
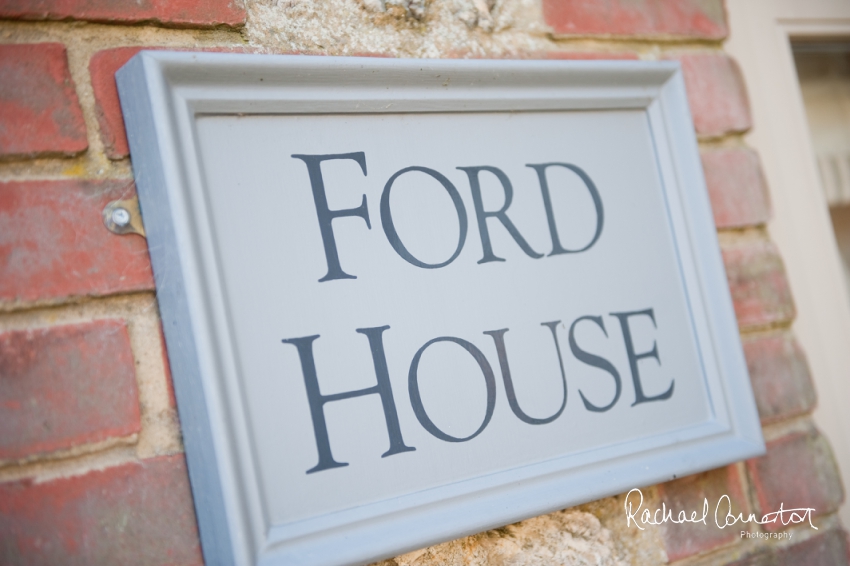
<point x="409" y="300"/>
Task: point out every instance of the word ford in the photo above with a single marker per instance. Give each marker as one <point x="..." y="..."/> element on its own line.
<point x="326" y="216"/>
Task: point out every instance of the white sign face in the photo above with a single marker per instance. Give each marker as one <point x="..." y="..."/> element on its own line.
<point x="455" y="294"/>
<point x="396" y="321"/>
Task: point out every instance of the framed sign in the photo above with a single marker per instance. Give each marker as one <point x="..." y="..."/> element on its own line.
<point x="410" y="300"/>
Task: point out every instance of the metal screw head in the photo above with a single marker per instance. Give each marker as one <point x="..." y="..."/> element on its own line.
<point x="121" y="217"/>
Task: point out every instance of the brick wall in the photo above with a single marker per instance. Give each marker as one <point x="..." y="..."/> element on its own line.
<point x="91" y="463"/>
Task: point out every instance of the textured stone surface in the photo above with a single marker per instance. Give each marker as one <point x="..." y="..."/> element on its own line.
<point x="138" y="514"/>
<point x="703" y="19"/>
<point x="716" y="93"/>
<point x="556" y="55"/>
<point x="757" y="281"/>
<point x="798" y="471"/>
<point x="53" y="243"/>
<point x="472" y="28"/>
<point x="689" y="494"/>
<point x="64" y="386"/>
<point x="39" y="110"/>
<point x="169" y="12"/>
<point x="568" y="537"/>
<point x="592" y="534"/>
<point x="780" y="376"/>
<point x="736" y="187"/>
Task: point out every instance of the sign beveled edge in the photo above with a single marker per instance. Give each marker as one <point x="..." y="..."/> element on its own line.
<point x="140" y="109"/>
<point x="147" y="85"/>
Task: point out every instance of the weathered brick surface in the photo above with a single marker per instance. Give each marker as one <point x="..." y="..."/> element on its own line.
<point x="53" y="243"/>
<point x="736" y="187"/>
<point x="39" y="110"/>
<point x="704" y="19"/>
<point x="827" y="549"/>
<point x="102" y="68"/>
<point x="138" y="513"/>
<point x="716" y="93"/>
<point x="780" y="376"/>
<point x="182" y="13"/>
<point x="689" y="494"/>
<point x="798" y="471"/>
<point x="758" y="284"/>
<point x="64" y="386"/>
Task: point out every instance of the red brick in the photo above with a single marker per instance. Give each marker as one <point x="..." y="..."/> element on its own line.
<point x="798" y="471"/>
<point x="758" y="284"/>
<point x="66" y="385"/>
<point x="102" y="68"/>
<point x="704" y="19"/>
<point x="39" y="110"/>
<point x="780" y="376"/>
<point x="138" y="514"/>
<point x="53" y="243"/>
<point x="828" y="549"/>
<point x="716" y="93"/>
<point x="736" y="187"/>
<point x="179" y="13"/>
<point x="689" y="494"/>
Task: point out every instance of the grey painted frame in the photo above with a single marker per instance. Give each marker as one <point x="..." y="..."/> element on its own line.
<point x="161" y="93"/>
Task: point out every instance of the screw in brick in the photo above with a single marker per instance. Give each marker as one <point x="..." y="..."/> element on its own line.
<point x="121" y="217"/>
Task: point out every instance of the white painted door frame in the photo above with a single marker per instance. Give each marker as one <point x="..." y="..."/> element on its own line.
<point x="760" y="40"/>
